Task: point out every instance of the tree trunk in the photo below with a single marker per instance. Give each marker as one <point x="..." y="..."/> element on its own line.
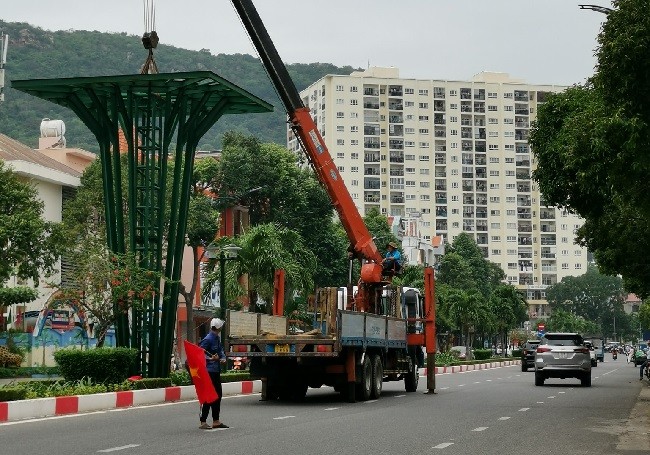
<point x="102" y="329"/>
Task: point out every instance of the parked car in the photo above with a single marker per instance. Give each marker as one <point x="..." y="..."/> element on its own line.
<point x="592" y="353"/>
<point x="528" y="354"/>
<point x="461" y="352"/>
<point x="562" y="355"/>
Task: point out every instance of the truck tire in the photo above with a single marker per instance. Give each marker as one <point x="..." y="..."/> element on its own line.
<point x="412" y="377"/>
<point x="364" y="387"/>
<point x="349" y="392"/>
<point x="377" y="376"/>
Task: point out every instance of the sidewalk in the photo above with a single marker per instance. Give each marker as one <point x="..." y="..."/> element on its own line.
<point x="57" y="406"/>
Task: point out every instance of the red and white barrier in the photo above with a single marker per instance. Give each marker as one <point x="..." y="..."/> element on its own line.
<point x="57" y="406"/>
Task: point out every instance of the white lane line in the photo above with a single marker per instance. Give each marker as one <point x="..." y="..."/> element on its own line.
<point x="477" y="382"/>
<point x="480" y="429"/>
<point x="517" y="375"/>
<point x="461" y="385"/>
<point x="561" y="392"/>
<point x="504" y="418"/>
<point x="540" y="402"/>
<point x="596" y="377"/>
<point x="400" y="396"/>
<point x="552" y="396"/>
<point x="524" y="409"/>
<point x="610" y="372"/>
<point x="498" y="379"/>
<point x="488" y="380"/>
<point x="331" y="409"/>
<point x="41" y="419"/>
<point x="370" y="401"/>
<point x="443" y="388"/>
<point x="283" y="417"/>
<point x="115" y="449"/>
<point x="444" y="445"/>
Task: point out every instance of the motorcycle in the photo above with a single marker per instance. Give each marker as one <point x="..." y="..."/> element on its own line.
<point x="614" y="355"/>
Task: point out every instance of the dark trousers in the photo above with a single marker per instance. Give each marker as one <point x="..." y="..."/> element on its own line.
<point x="643" y="365"/>
<point x="215" y="405"/>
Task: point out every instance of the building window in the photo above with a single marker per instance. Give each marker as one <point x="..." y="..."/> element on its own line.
<point x="424" y="92"/>
<point x="409" y="104"/>
<point x="341" y="168"/>
<point x="496" y="252"/>
<point x="425" y="197"/>
<point x="453" y="132"/>
<point x="453" y="119"/>
<point x="423" y="105"/>
<point x="492" y="108"/>
<point x="495" y="225"/>
<point x="354" y="142"/>
<point x="409" y="91"/>
<point x="340" y="101"/>
<point x="493" y="121"/>
<point x="354" y="156"/>
<point x="423" y="118"/>
<point x="424" y="157"/>
<point x="424" y="171"/>
<point x="355" y="182"/>
<point x="340" y="115"/>
<point x="354" y="89"/>
<point x="354" y="129"/>
<point x="340" y="129"/>
<point x="339" y="88"/>
<point x="410" y="170"/>
<point x="453" y="93"/>
<point x="354" y="169"/>
<point x="453" y="106"/>
<point x="354" y="115"/>
<point x="340" y="155"/>
<point x="494" y="173"/>
<point x="424" y="130"/>
<point x="354" y="102"/>
<point x="565" y="266"/>
<point x="340" y="142"/>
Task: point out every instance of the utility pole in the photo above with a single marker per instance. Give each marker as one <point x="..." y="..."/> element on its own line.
<point x="4" y="43"/>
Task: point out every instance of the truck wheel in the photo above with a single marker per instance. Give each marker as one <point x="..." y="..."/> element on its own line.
<point x="364" y="388"/>
<point x="411" y="378"/>
<point x="349" y="392"/>
<point x="270" y="390"/>
<point x="539" y="379"/>
<point x="377" y="376"/>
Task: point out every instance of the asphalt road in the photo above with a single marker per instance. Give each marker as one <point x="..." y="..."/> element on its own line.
<point x="496" y="411"/>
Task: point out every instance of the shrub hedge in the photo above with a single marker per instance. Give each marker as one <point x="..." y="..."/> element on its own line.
<point x="12" y="393"/>
<point x="102" y="365"/>
<point x="151" y="383"/>
<point x="482" y="354"/>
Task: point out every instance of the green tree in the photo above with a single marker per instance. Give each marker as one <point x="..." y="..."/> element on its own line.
<point x="29" y="245"/>
<point x="593" y="296"/>
<point x="266" y="248"/>
<point x="565" y="321"/>
<point x="591" y="141"/>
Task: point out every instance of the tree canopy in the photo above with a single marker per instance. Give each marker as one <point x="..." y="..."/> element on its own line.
<point x="591" y="144"/>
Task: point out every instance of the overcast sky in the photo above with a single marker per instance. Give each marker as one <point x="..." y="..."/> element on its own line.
<point x="540" y="41"/>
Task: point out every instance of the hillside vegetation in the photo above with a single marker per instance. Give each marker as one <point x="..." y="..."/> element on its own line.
<point x="35" y="53"/>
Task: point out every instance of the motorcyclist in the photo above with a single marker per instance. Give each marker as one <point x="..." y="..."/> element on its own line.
<point x="646" y="363"/>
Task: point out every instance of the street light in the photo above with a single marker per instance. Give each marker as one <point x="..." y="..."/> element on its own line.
<point x="226" y="253"/>
<point x="600" y="9"/>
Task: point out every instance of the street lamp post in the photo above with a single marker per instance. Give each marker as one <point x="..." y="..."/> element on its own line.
<point x="600" y="9"/>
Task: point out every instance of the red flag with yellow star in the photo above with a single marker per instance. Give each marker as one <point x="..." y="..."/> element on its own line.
<point x="200" y="378"/>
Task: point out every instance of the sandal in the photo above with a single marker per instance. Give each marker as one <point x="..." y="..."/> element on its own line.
<point x="204" y="426"/>
<point x="221" y="425"/>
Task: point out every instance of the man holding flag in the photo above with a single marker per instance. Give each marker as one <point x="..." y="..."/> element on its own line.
<point x="204" y="362"/>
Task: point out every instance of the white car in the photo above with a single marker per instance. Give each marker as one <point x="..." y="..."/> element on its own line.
<point x="592" y="353"/>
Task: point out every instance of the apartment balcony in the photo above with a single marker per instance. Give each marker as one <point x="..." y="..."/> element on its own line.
<point x="480" y="148"/>
<point x="370" y="158"/>
<point x="395" y="118"/>
<point x="441" y="186"/>
<point x="467" y="175"/>
<point x="368" y="91"/>
<point x="371" y="104"/>
<point x="521" y="96"/>
<point x="481" y="239"/>
<point x="522" y="148"/>
<point x="371" y="184"/>
<point x="466" y="108"/>
<point x="548" y="241"/>
<point x="481" y="200"/>
<point x="440" y="174"/>
<point x="523" y="175"/>
<point x="439" y="119"/>
<point x="523" y="214"/>
<point x="522" y="163"/>
<point x="442" y="200"/>
<point x="547" y="256"/>
<point x="371" y="171"/>
<point x="468" y="225"/>
<point x="396" y="130"/>
<point x="521" y="135"/>
<point x="547" y="214"/>
<point x="467" y="159"/>
<point x="465" y="94"/>
<point x="479" y="107"/>
<point x="371" y="130"/>
<point x="441" y="225"/>
<point x="440" y="161"/>
<point x="481" y="214"/>
<point x="440" y="133"/>
<point x="370" y="143"/>
<point x="439" y="106"/>
<point x="371" y="199"/>
<point x="439" y="93"/>
<point x="522" y="124"/>
<point x="395" y="106"/>
<point x="468" y="187"/>
<point x="479" y="94"/>
<point x="525" y="255"/>
<point x="481" y="174"/>
<point x="395" y="90"/>
<point x="466" y="147"/>
<point x="525" y="240"/>
<point x="466" y="122"/>
<point x="396" y="144"/>
<point x="441" y="212"/>
<point x="396" y="172"/>
<point x="479" y="122"/>
<point x="523" y="201"/>
<point x="396" y="158"/>
<point x="547" y="228"/>
<point x="397" y="199"/>
<point x="525" y="229"/>
<point x="521" y="111"/>
<point x="480" y="161"/>
<point x="481" y="226"/>
<point x="481" y="187"/>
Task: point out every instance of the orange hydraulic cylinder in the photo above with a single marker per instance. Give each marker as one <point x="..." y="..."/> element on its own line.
<point x="278" y="293"/>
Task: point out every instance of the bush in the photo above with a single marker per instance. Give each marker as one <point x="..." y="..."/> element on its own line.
<point x="151" y="383"/>
<point x="180" y="377"/>
<point x="12" y="393"/>
<point x="235" y="376"/>
<point x="516" y="353"/>
<point x="482" y="354"/>
<point x="102" y="365"/>
<point x="446" y="358"/>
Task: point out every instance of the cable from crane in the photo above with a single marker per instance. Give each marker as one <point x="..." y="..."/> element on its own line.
<point x="150" y="37"/>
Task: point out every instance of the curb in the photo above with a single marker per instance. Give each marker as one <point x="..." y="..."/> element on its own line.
<point x="11" y="411"/>
<point x="59" y="406"/>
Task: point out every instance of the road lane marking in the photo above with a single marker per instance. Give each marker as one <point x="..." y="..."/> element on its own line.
<point x="524" y="409"/>
<point x="498" y="379"/>
<point x="517" y="375"/>
<point x="488" y="380"/>
<point x="331" y="409"/>
<point x="41" y="419"/>
<point x="370" y="401"/>
<point x="504" y="418"/>
<point x="553" y="396"/>
<point x="443" y="388"/>
<point x="400" y="396"/>
<point x="540" y="402"/>
<point x="477" y="382"/>
<point x="480" y="429"/>
<point x="283" y="417"/>
<point x="444" y="445"/>
<point x="561" y="392"/>
<point x="609" y="372"/>
<point x="115" y="449"/>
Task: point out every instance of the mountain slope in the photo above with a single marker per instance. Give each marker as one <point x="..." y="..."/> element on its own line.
<point x="35" y="53"/>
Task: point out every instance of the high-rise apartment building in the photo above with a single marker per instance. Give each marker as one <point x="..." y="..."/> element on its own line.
<point x="451" y="156"/>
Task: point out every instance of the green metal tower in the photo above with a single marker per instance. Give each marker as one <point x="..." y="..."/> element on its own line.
<point x="162" y="117"/>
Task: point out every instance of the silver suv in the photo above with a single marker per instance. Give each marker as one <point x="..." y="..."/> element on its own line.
<point x="562" y="355"/>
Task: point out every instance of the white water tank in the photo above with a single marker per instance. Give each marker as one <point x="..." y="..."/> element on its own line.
<point x="52" y="128"/>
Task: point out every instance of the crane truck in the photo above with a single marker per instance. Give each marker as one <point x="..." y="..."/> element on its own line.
<point x="363" y="335"/>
